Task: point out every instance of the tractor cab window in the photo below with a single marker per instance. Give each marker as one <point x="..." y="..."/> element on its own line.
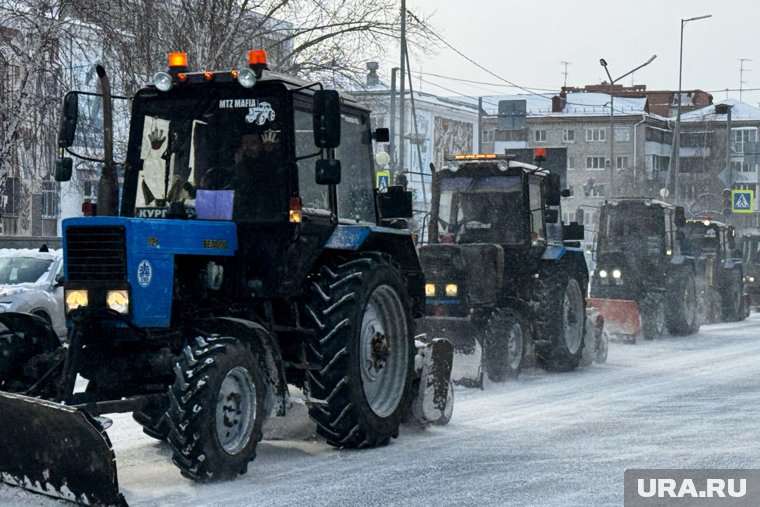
<point x="218" y="156"/>
<point x="619" y="233"/>
<point x="355" y="197"/>
<point x="481" y="210"/>
<point x="536" y="209"/>
<point x="702" y="240"/>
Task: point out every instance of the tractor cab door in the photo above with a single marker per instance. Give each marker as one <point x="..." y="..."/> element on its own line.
<point x="538" y="232"/>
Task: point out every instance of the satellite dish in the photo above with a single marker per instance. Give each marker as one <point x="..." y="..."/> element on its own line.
<point x="664" y="193"/>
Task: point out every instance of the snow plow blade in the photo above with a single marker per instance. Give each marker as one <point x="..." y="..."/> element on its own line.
<point x="621" y="316"/>
<point x="56" y="450"/>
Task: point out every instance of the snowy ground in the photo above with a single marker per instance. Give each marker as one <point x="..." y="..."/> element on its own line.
<point x="544" y="439"/>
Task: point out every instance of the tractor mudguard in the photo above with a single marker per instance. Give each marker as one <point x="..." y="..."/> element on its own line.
<point x="621" y="316"/>
<point x="434" y="401"/>
<point x="33" y="327"/>
<point x="56" y="450"/>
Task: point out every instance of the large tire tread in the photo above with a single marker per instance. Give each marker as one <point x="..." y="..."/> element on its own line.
<point x="192" y="401"/>
<point x="338" y="295"/>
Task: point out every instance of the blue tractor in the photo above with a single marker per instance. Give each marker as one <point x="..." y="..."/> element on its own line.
<point x="504" y="276"/>
<point x="241" y="259"/>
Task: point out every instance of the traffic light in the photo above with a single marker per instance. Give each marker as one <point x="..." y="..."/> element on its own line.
<point x="727" y="203"/>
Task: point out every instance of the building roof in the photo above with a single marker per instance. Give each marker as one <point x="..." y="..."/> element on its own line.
<point x="739" y="111"/>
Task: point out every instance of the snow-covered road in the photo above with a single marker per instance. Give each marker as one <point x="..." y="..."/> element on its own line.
<point x="544" y="439"/>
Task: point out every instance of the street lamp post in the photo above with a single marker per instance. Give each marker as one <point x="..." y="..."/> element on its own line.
<point x="676" y="151"/>
<point x="603" y="62"/>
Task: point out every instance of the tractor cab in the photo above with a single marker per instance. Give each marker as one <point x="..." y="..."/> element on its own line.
<point x="495" y="199"/>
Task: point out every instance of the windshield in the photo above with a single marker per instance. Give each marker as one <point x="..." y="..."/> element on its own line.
<point x="631" y="229"/>
<point x="18" y="270"/>
<point x="481" y="210"/>
<point x="701" y="239"/>
<point x="213" y="155"/>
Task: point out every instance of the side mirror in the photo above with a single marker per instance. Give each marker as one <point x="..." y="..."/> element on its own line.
<point x="59" y="280"/>
<point x="326" y="119"/>
<point x="680" y="217"/>
<point x="551" y="216"/>
<point x="381" y="135"/>
<point x="69" y="118"/>
<point x="394" y="202"/>
<point x="327" y="172"/>
<point x="573" y="231"/>
<point x="63" y="168"/>
<point x="552" y="190"/>
<point x="566" y="193"/>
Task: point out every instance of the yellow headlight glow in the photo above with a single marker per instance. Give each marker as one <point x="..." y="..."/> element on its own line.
<point x="75" y="299"/>
<point x="429" y="289"/>
<point x="451" y="289"/>
<point x="118" y="301"/>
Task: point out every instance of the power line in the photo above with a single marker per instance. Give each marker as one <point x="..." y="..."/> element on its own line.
<point x="447" y="44"/>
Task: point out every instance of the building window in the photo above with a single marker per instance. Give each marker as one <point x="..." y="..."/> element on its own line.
<point x="742" y="136"/>
<point x="621" y="162"/>
<point x="568" y="136"/>
<point x="49" y="199"/>
<point x="11" y="197"/>
<point x="595" y="163"/>
<point x="739" y="166"/>
<point x="622" y="134"/>
<point x="596" y="135"/>
<point x="571" y="162"/>
<point x="539" y="136"/>
<point x="488" y="136"/>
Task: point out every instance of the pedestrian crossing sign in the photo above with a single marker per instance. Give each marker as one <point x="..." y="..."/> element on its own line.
<point x="383" y="179"/>
<point x="742" y="201"/>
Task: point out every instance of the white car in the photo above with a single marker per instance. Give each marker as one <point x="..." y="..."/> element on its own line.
<point x="31" y="282"/>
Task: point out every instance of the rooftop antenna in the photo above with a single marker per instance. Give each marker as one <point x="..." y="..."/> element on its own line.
<point x="565" y="73"/>
<point x="741" y="75"/>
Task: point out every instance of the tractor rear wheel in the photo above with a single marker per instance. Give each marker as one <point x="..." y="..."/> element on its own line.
<point x="683" y="318"/>
<point x="215" y="409"/>
<point x="560" y="318"/>
<point x="503" y="345"/>
<point x="364" y="346"/>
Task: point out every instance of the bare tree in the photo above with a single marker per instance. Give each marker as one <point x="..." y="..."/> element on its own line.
<point x="329" y="40"/>
<point x="31" y="34"/>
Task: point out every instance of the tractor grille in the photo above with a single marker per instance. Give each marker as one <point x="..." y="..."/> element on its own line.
<point x="96" y="254"/>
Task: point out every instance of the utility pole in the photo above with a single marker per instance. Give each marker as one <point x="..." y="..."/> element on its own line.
<point x="480" y="124"/>
<point x="392" y="126"/>
<point x="402" y="106"/>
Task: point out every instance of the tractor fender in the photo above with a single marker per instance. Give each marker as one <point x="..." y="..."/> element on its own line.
<point x="733" y="264"/>
<point x="41" y="332"/>
<point x="571" y="257"/>
<point x="267" y="350"/>
<point x="680" y="260"/>
<point x="398" y="244"/>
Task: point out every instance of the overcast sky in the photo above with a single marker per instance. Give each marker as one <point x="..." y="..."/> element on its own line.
<point x="526" y="42"/>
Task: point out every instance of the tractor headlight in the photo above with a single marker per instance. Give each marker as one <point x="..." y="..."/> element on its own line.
<point x="749" y="278"/>
<point x="616" y="274"/>
<point x="451" y="289"/>
<point x="118" y="301"/>
<point x="246" y="78"/>
<point x="75" y="299"/>
<point x="602" y="273"/>
<point x="429" y="290"/>
<point x="163" y="81"/>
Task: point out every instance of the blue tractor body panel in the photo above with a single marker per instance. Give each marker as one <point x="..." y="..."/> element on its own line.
<point x="151" y="245"/>
<point x="352" y="237"/>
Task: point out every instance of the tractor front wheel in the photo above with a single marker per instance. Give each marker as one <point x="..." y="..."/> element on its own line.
<point x="216" y="409"/>
<point x="503" y="345"/>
